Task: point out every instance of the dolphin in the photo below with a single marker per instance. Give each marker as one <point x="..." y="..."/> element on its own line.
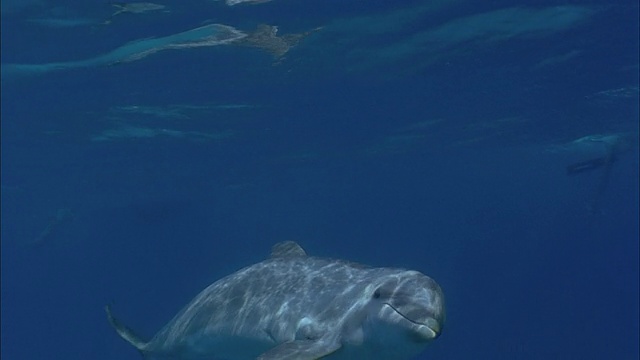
<point x="295" y="306"/>
<point x="236" y="2"/>
<point x="265" y="37"/>
<point x="134" y="8"/>
<point x="208" y="35"/>
<point x="607" y="148"/>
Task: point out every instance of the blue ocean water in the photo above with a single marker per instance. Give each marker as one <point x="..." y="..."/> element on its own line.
<point x="139" y="166"/>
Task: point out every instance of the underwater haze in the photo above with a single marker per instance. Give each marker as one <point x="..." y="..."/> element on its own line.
<point x="149" y="149"/>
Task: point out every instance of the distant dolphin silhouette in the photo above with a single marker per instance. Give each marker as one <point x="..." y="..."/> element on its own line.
<point x="236" y="2"/>
<point x="293" y="306"/>
<point x="612" y="145"/>
<point x="134" y="8"/>
<point x="265" y="37"/>
<point x="208" y="35"/>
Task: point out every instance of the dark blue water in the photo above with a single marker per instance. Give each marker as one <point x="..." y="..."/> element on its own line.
<point x="422" y="135"/>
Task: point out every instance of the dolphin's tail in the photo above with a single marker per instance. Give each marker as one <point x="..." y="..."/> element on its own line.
<point x="125" y="332"/>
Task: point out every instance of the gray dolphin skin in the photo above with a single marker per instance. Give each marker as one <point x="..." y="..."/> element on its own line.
<point x="294" y="306"/>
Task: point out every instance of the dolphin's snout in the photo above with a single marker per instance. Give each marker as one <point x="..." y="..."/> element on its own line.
<point x="428" y="330"/>
<point x="434" y="326"/>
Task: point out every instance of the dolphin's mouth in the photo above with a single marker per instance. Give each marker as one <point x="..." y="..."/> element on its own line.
<point x="428" y="329"/>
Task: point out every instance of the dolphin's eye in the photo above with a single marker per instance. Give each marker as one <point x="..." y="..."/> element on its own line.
<point x="377" y="294"/>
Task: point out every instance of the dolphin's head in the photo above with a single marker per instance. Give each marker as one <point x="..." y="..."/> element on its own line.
<point x="408" y="304"/>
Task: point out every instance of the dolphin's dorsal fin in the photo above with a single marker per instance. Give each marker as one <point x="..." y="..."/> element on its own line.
<point x="287" y="249"/>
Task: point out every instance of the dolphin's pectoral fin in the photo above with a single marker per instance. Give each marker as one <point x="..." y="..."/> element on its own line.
<point x="302" y="350"/>
<point x="125" y="332"/>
